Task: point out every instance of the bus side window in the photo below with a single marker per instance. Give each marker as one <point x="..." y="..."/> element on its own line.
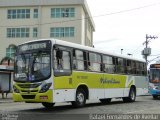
<point x="137" y="68"/>
<point x="54" y="60"/>
<point x="74" y="60"/>
<point x="85" y="61"/>
<point x="62" y="62"/>
<point x="108" y="64"/>
<point x="133" y="67"/>
<point x="120" y="65"/>
<point x="115" y="61"/>
<point x="125" y="65"/>
<point x="66" y="60"/>
<point x="95" y="62"/>
<point x="79" y="59"/>
<point x="88" y="62"/>
<point x="141" y="68"/>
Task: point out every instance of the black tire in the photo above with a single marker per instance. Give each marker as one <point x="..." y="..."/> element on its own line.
<point x="80" y="98"/>
<point x="155" y="96"/>
<point x="105" y="101"/>
<point x="131" y="97"/>
<point x="48" y="105"/>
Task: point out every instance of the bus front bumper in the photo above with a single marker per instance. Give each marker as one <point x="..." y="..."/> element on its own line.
<point x="34" y="97"/>
<point x="154" y="92"/>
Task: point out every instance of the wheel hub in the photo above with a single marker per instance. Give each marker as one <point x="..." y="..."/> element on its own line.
<point x="80" y="97"/>
<point x="132" y="95"/>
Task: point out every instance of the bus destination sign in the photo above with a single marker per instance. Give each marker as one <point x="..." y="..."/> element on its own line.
<point x="33" y="46"/>
<point x="155" y="66"/>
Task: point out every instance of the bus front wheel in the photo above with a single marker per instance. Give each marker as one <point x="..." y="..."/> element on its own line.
<point x="80" y="98"/>
<point x="48" y="105"/>
<point x="155" y="96"/>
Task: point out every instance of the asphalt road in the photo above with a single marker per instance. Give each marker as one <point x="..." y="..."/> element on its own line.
<point x="93" y="110"/>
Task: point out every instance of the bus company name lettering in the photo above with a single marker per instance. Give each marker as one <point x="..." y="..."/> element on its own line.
<point x="109" y="81"/>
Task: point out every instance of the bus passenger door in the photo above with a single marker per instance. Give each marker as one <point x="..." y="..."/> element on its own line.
<point x="63" y="76"/>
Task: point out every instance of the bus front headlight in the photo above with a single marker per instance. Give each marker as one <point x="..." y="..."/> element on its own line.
<point x="45" y="87"/>
<point x="15" y="89"/>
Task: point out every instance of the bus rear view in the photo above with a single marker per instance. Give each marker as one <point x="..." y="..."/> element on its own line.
<point x="154" y="80"/>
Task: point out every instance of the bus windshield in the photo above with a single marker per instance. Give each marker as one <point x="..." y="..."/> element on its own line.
<point x="32" y="62"/>
<point x="154" y="75"/>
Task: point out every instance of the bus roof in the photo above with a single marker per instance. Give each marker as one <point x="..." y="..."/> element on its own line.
<point x="155" y="65"/>
<point x="78" y="46"/>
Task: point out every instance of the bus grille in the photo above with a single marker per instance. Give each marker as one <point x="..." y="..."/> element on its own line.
<point x="28" y="96"/>
<point x="29" y="91"/>
<point x="35" y="85"/>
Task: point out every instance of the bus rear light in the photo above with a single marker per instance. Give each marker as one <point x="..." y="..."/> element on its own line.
<point x="43" y="97"/>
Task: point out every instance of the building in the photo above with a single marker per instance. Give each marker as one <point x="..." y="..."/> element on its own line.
<point x="24" y="20"/>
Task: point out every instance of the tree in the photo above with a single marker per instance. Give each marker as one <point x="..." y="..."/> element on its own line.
<point x="7" y="58"/>
<point x="12" y="46"/>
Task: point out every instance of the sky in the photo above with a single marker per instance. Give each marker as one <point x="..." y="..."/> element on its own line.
<point x="123" y="24"/>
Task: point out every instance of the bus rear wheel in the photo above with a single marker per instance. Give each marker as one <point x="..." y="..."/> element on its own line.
<point x="80" y="98"/>
<point x="105" y="101"/>
<point x="48" y="105"/>
<point x="131" y="97"/>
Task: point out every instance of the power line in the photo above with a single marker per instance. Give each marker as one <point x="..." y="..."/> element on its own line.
<point x="107" y="14"/>
<point x="155" y="55"/>
<point x="153" y="59"/>
<point x="137" y="49"/>
<point x="128" y="10"/>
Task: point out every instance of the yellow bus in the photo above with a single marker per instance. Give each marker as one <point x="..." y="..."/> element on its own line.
<point x="49" y="71"/>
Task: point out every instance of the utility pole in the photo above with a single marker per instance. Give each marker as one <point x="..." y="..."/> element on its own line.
<point x="147" y="51"/>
